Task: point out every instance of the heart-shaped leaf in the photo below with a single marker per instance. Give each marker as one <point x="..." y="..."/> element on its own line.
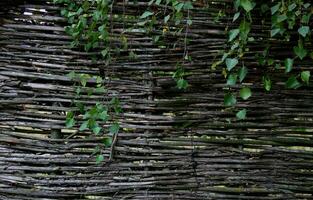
<point x="293" y="83"/>
<point x="146" y="14"/>
<point x="233" y="34"/>
<point x="229" y="99"/>
<point x="231" y="63"/>
<point x="237" y="14"/>
<point x="99" y="159"/>
<point x="245" y="93"/>
<point x="288" y="64"/>
<point x="232" y="79"/>
<point x="247" y="5"/>
<point x="305" y="76"/>
<point x="241" y="115"/>
<point x="267" y="83"/>
<point x="300" y="52"/>
<point x="243" y="71"/>
<point x="304" y="30"/>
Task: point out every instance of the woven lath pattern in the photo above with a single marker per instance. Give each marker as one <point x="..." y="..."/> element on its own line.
<point x="174" y="144"/>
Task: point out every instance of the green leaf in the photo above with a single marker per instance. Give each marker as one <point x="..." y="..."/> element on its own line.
<point x="107" y="141"/>
<point x="300" y="51"/>
<point x="188" y="5"/>
<point x="241" y="115"/>
<point x="236" y="16"/>
<point x="293" y="83"/>
<point x="96" y="130"/>
<point x="167" y="18"/>
<point x="292" y="6"/>
<point x="305" y="76"/>
<point x="231" y="63"/>
<point x="99" y="159"/>
<point x="229" y="99"/>
<point x="233" y="34"/>
<point x="247" y="5"/>
<point x="288" y="65"/>
<point x="182" y="83"/>
<point x="103" y="115"/>
<point x="104" y="52"/>
<point x="232" y="79"/>
<point x="306" y="18"/>
<point x="306" y="5"/>
<point x="275" y="31"/>
<point x="178" y="7"/>
<point x="245" y="93"/>
<point x="267" y="83"/>
<point x="70" y="122"/>
<point x="304" y="30"/>
<point x="281" y="18"/>
<point x="244" y="28"/>
<point x="71" y="75"/>
<point x="84" y="126"/>
<point x="114" y="128"/>
<point x="275" y="8"/>
<point x="146" y="14"/>
<point x="243" y="71"/>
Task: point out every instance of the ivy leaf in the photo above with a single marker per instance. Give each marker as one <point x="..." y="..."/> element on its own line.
<point x="189" y="22"/>
<point x="158" y="2"/>
<point x="167" y="18"/>
<point x="71" y="75"/>
<point x="241" y="115"/>
<point x="107" y="141"/>
<point x="233" y="34"/>
<point x="306" y="19"/>
<point x="114" y="128"/>
<point x="306" y="5"/>
<point x="178" y="7"/>
<point x="281" y="18"/>
<point x="305" y="76"/>
<point x="304" y="30"/>
<point x="231" y="63"/>
<point x="104" y="52"/>
<point x="70" y="122"/>
<point x="103" y="115"/>
<point x="288" y="65"/>
<point x="275" y="31"/>
<point x="99" y="159"/>
<point x="275" y="8"/>
<point x="229" y="99"/>
<point x="182" y="83"/>
<point x="146" y="14"/>
<point x="300" y="51"/>
<point x="237" y="14"/>
<point x="293" y="83"/>
<point x="232" y="79"/>
<point x="245" y="93"/>
<point x="96" y="130"/>
<point x="243" y="71"/>
<point x="292" y="6"/>
<point x="267" y="83"/>
<point x="247" y="5"/>
<point x="188" y="5"/>
<point x="84" y="126"/>
<point x="244" y="28"/>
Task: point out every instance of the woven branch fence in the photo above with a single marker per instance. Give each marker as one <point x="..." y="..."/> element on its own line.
<point x="173" y="144"/>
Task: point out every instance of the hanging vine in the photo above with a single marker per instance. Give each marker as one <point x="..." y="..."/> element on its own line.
<point x="91" y="25"/>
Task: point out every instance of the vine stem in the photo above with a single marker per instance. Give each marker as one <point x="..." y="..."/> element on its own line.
<point x="112" y="147"/>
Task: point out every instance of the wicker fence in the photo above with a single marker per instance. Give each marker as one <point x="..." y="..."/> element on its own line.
<point x="173" y="144"/>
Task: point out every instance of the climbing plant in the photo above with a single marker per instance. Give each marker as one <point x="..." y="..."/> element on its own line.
<point x="91" y="22"/>
<point x="286" y="18"/>
<point x="89" y="28"/>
